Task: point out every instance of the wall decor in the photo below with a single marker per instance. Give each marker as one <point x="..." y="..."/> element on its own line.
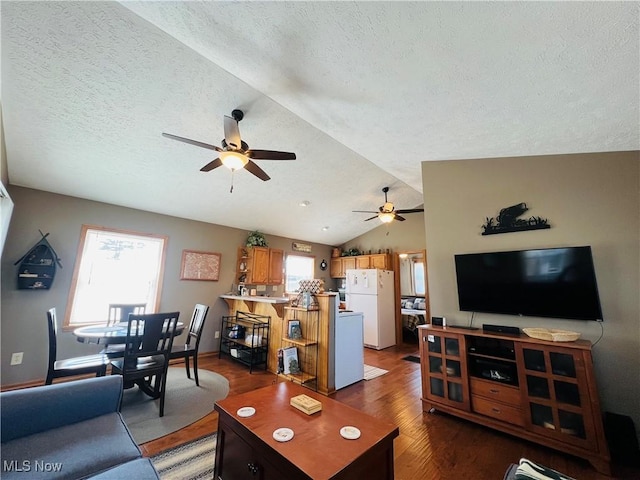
<point x="38" y="266"/>
<point x="323" y="265"/>
<point x="508" y="221"/>
<point x="200" y="265"/>
<point x="301" y="247"/>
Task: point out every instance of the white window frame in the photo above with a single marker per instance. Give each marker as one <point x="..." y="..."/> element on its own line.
<point x="87" y="305"/>
<point x="286" y="270"/>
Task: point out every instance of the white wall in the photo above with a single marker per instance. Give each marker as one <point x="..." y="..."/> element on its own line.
<point x="589" y="199"/>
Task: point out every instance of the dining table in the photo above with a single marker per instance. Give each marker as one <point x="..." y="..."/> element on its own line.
<point x="109" y="334"/>
<point x="112" y="335"/>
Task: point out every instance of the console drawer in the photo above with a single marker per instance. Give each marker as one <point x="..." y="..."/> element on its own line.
<point x="496" y="391"/>
<point x="497" y="410"/>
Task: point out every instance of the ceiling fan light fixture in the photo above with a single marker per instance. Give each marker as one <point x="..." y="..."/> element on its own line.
<point x="233" y="160"/>
<point x="386" y="217"/>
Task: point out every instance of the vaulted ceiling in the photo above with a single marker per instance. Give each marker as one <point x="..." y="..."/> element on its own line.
<point x="362" y="92"/>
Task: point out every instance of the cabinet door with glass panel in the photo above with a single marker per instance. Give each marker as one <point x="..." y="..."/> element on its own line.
<point x="556" y="401"/>
<point x="444" y="368"/>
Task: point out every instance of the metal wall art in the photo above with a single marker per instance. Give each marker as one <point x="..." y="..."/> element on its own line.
<point x="508" y="221"/>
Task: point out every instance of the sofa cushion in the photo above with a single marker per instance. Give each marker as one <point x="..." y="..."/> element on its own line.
<point x="73" y="451"/>
<point x="140" y="469"/>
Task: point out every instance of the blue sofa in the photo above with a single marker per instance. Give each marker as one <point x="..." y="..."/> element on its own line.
<point x="69" y="430"/>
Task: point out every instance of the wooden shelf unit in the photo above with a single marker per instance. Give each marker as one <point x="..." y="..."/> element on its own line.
<point x="541" y="391"/>
<point x="307" y="346"/>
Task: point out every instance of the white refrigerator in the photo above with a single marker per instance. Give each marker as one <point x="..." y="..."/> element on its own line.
<point x="371" y="292"/>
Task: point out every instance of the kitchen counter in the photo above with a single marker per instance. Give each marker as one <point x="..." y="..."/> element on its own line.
<point x="278" y="303"/>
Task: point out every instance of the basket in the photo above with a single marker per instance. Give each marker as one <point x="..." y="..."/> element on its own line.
<point x="552" y="335"/>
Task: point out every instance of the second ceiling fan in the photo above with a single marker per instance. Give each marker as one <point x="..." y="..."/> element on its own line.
<point x="235" y="154"/>
<point x="387" y="212"/>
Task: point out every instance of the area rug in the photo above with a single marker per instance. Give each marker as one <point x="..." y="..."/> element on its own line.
<point x="190" y="461"/>
<point x="373" y="372"/>
<point x="184" y="404"/>
<point x="412" y="358"/>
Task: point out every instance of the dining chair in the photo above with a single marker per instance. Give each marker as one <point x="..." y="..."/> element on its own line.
<point x="146" y="353"/>
<point x="190" y="347"/>
<point x="82" y="365"/>
<point x="119" y="312"/>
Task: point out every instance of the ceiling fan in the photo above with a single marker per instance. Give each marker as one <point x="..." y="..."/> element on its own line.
<point x="387" y="212"/>
<point x="235" y="154"/>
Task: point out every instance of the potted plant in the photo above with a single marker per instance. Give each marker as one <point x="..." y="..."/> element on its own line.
<point x="256" y="239"/>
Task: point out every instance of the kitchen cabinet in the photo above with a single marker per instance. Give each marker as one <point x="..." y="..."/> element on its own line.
<point x="537" y="390"/>
<point x="339" y="265"/>
<point x="259" y="266"/>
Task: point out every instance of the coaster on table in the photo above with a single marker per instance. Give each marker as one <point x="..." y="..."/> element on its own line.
<point x="350" y="433"/>
<point x="246" y="411"/>
<point x="283" y="434"/>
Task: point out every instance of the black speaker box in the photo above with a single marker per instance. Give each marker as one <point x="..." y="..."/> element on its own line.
<point x="487" y="328"/>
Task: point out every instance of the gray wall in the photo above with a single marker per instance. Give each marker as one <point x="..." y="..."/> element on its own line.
<point x="589" y="199"/>
<point x="23" y="319"/>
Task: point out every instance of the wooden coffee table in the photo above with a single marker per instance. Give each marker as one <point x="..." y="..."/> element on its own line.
<point x="246" y="445"/>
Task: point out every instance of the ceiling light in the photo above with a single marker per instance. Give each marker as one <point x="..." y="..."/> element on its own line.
<point x="386" y="217"/>
<point x="233" y="160"/>
<point x="403" y="255"/>
<point x="304" y="203"/>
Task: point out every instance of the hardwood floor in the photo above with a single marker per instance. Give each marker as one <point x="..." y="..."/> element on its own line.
<point x="430" y="446"/>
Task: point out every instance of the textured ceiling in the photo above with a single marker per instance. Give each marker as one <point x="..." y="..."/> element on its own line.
<point x="362" y="92"/>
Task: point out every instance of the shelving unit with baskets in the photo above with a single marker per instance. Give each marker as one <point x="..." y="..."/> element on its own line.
<point x="245" y="338"/>
<point x="306" y="346"/>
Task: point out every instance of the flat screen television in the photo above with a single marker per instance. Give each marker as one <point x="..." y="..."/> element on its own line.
<point x="550" y="282"/>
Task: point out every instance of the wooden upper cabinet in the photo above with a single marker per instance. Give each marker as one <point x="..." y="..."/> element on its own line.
<point x="362" y="261"/>
<point x="380" y="260"/>
<point x="260" y="266"/>
<point x="276" y="264"/>
<point x="348" y="263"/>
<point x="340" y="265"/>
<point x="335" y="268"/>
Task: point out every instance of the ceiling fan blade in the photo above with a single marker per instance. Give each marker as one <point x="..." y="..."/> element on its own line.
<point x="410" y="210"/>
<point x="211" y="165"/>
<point x="192" y="142"/>
<point x="367" y="219"/>
<point x="232" y="133"/>
<point x="398" y="217"/>
<point x="257" y="171"/>
<point x="270" y="155"/>
<point x="363" y="211"/>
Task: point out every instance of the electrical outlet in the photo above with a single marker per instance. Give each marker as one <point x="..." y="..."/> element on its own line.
<point x="16" y="358"/>
<point x="217" y="334"/>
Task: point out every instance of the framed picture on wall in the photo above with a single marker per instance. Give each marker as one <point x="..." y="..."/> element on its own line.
<point x="198" y="265"/>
